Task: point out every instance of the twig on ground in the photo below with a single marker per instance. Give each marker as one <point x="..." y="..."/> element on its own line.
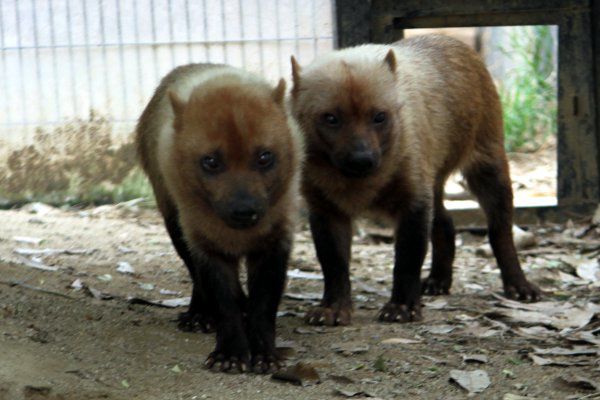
<point x="37" y="289"/>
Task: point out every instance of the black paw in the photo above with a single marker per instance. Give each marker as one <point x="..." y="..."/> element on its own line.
<point x="393" y="312"/>
<point x="435" y="286"/>
<point x="522" y="290"/>
<point x="330" y="316"/>
<point x="191" y="321"/>
<point x="219" y="361"/>
<point x="267" y="363"/>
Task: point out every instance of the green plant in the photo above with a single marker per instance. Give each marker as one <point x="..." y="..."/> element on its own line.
<point x="528" y="92"/>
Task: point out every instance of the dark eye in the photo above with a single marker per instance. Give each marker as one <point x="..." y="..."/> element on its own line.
<point x="330" y="119"/>
<point x="265" y="159"/>
<point x="211" y="164"/>
<point x="379" y="118"/>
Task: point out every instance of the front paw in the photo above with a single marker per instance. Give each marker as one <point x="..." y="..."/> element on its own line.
<point x="267" y="362"/>
<point x="226" y="361"/>
<point x="332" y="315"/>
<point x="192" y="321"/>
<point x="522" y="290"/>
<point x="393" y="312"/>
<point x="436" y="286"/>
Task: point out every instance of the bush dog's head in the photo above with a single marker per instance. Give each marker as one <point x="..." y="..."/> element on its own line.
<point x="347" y="109"/>
<point x="232" y="144"/>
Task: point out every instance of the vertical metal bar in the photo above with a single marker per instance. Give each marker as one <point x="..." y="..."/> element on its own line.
<point x="171" y="34"/>
<point x="313" y="4"/>
<point x="54" y="65"/>
<point x="20" y="58"/>
<point x="242" y="32"/>
<point x="205" y="21"/>
<point x="224" y="31"/>
<point x="260" y="36"/>
<point x="38" y="72"/>
<point x="88" y="63"/>
<point x="4" y="67"/>
<point x="71" y="60"/>
<point x="278" y="39"/>
<point x="122" y="61"/>
<point x="187" y="30"/>
<point x="104" y="60"/>
<point x="153" y="26"/>
<point x="296" y="30"/>
<point x="138" y="55"/>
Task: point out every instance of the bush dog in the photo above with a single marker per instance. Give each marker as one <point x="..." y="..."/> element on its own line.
<point x="223" y="160"/>
<point x="384" y="126"/>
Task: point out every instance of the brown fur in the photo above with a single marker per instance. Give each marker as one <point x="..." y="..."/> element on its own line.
<point x="237" y="120"/>
<point x="443" y="114"/>
<point x="203" y="140"/>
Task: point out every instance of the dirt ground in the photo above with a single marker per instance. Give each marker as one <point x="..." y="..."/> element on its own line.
<point x="73" y="327"/>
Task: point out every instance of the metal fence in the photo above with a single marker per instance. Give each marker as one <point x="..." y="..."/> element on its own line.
<point x="62" y="59"/>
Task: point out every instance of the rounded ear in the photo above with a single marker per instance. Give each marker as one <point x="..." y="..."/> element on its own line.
<point x="295" y="74"/>
<point x="279" y="92"/>
<point x="390" y="60"/>
<point x="176" y="102"/>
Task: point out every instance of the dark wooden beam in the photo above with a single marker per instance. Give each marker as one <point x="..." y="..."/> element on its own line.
<point x="432" y="8"/>
<point x="353" y="22"/>
<point x="578" y="171"/>
<point x="526" y="216"/>
<point x="596" y="60"/>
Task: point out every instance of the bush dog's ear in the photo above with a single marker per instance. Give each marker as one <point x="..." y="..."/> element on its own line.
<point x="390" y="60"/>
<point x="295" y="74"/>
<point x="279" y="92"/>
<point x="178" y="107"/>
<point x="176" y="102"/>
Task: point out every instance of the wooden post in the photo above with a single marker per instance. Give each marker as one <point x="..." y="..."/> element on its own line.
<point x="353" y="24"/>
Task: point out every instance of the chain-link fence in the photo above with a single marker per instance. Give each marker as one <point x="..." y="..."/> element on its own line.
<point x="62" y="59"/>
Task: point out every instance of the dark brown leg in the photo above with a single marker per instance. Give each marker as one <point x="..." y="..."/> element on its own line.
<point x="196" y="318"/>
<point x="266" y="280"/>
<point x="332" y="234"/>
<point x="412" y="235"/>
<point x="220" y="285"/>
<point x="491" y="184"/>
<point x="443" y="247"/>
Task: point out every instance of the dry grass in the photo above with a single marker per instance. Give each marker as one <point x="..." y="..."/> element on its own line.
<point x="76" y="162"/>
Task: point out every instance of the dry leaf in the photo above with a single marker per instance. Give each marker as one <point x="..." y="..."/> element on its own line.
<point x="168" y="303"/>
<point x="472" y="381"/>
<point x="348" y="349"/>
<point x="562" y="351"/>
<point x="542" y="361"/>
<point x="28" y="240"/>
<point x="392" y="341"/>
<point x="580" y="382"/>
<point x="437" y="304"/>
<point x="475" y="358"/>
<point x="302" y="296"/>
<point x="299" y="374"/>
<point x="124" y="267"/>
<point x="297" y="274"/>
<point x="351" y="393"/>
<point x="439" y="329"/>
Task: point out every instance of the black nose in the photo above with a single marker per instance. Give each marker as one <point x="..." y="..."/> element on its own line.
<point x="360" y="162"/>
<point x="244" y="214"/>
